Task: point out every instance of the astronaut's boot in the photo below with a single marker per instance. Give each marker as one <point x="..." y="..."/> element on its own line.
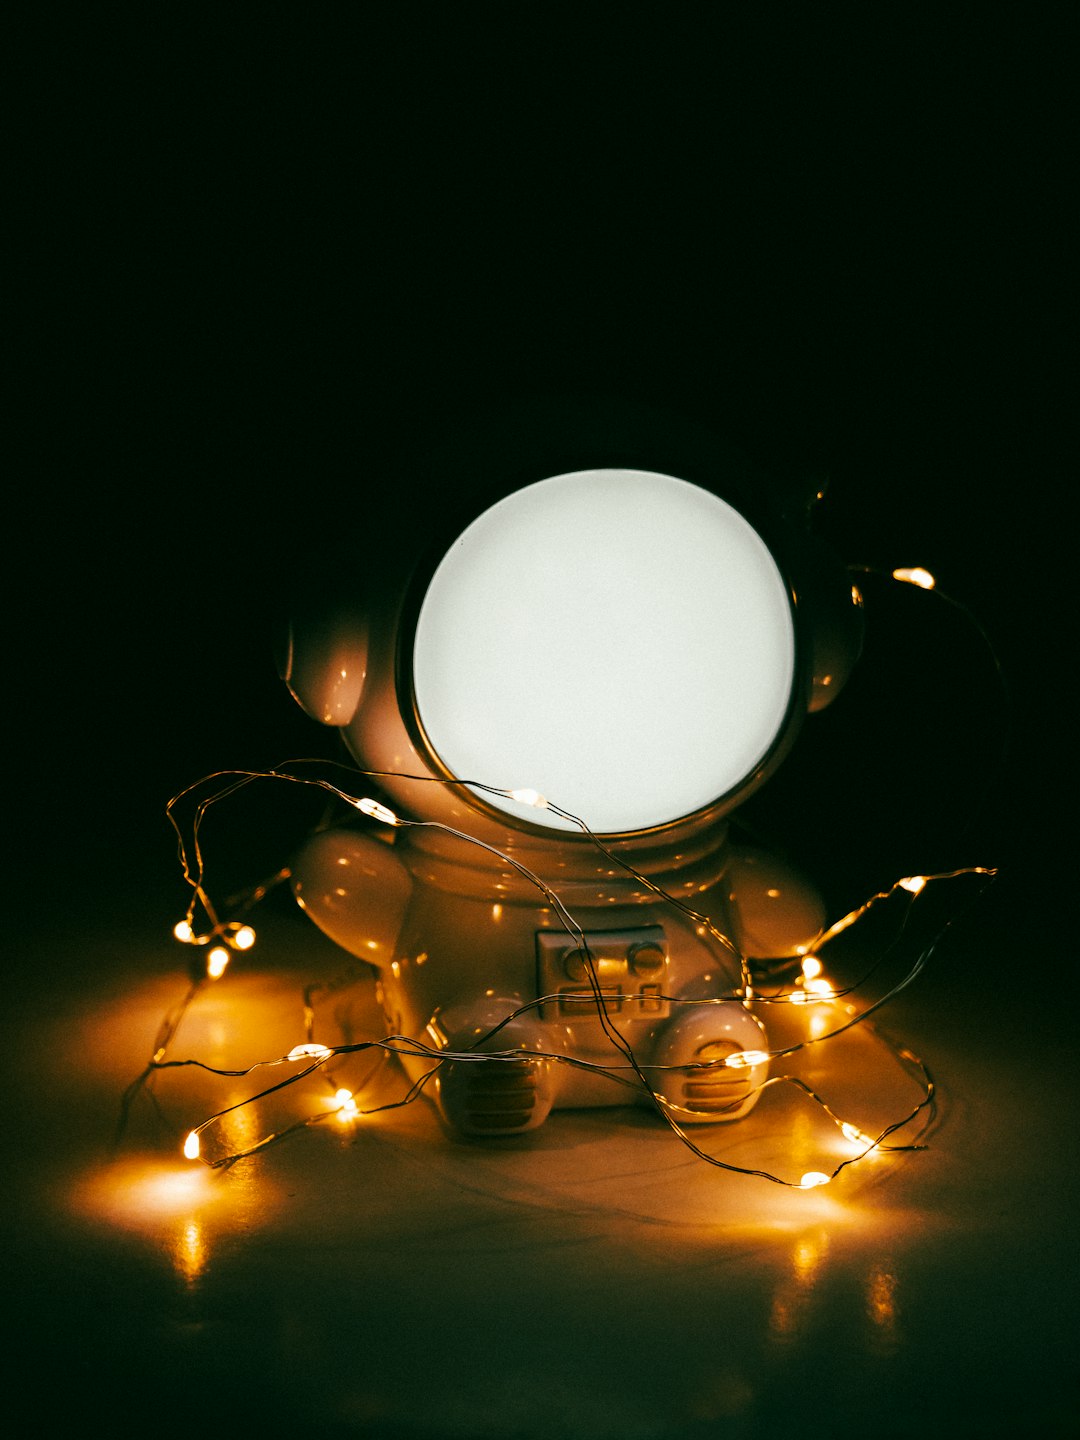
<point x="701" y="1043"/>
<point x="489" y="1094"/>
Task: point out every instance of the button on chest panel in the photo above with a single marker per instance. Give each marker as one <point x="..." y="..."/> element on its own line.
<point x="631" y="968"/>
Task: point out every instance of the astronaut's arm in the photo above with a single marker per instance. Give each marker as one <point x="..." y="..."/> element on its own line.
<point x="356" y="889"/>
<point x="775" y="910"/>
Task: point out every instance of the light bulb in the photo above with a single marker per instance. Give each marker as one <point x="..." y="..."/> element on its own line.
<point x="743" y="1059"/>
<point x="217" y="962"/>
<point x="811" y="966"/>
<point x="244" y="938"/>
<point x="191" y="1146"/>
<point x="371" y="807"/>
<point x="915" y="883"/>
<point x="916" y="576"/>
<point x="814" y="1178"/>
<point x="529" y="797"/>
<point x="183" y="932"/>
<point x="309" y="1052"/>
<point x="819" y="989"/>
<point x="346" y="1105"/>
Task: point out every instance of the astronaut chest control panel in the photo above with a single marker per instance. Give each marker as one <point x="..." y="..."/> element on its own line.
<point x="630" y="972"/>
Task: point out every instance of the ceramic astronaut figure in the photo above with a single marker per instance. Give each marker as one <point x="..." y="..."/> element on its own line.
<point x="620" y="641"/>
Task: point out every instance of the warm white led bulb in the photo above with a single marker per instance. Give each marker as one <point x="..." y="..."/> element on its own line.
<point x="309" y="1052"/>
<point x="915" y="883"/>
<point x="377" y="811"/>
<point x="217" y="962"/>
<point x="183" y="932"/>
<point x="811" y="967"/>
<point x="916" y="576"/>
<point x="191" y="1146"/>
<point x="345" y="1104"/>
<point x="244" y="938"/>
<point x="814" y="1178"/>
<point x="529" y="797"/>
<point x="743" y="1059"/>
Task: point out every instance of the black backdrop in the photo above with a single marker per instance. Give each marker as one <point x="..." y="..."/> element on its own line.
<point x="256" y="258"/>
<point x="261" y="259"/>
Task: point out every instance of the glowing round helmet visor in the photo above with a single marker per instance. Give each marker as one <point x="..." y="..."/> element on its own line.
<point x="619" y="641"/>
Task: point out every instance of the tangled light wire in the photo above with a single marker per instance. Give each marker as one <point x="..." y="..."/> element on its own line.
<point x="222" y="938"/>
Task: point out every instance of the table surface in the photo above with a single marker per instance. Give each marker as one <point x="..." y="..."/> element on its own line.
<point x="593" y="1278"/>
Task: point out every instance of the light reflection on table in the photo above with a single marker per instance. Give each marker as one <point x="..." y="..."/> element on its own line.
<point x="594" y="1278"/>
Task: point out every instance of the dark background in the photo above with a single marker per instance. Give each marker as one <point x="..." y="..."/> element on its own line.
<point x="259" y="259"/>
<point x="260" y="262"/>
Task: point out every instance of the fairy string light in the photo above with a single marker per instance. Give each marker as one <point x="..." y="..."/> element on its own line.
<point x="345" y="1106"/>
<point x="809" y="988"/>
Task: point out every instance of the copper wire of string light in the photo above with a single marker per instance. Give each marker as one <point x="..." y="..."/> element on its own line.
<point x="376" y="810"/>
<point x="236" y="936"/>
<point x="399" y="1044"/>
<point x="166" y="1031"/>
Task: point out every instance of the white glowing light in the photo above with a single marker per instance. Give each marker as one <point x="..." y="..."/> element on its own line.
<point x="915" y="883"/>
<point x="309" y="1052"/>
<point x="814" y="1178"/>
<point x="183" y="932"/>
<point x="811" y="967"/>
<point x="601" y="624"/>
<point x="819" y="989"/>
<point x="743" y="1059"/>
<point x="377" y="812"/>
<point x="345" y="1104"/>
<point x="530" y="797"/>
<point x="217" y="962"/>
<point x="191" y="1146"/>
<point x="244" y="938"/>
<point x="916" y="576"/>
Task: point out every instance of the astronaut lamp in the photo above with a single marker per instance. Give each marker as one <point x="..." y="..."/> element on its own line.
<point x="613" y="641"/>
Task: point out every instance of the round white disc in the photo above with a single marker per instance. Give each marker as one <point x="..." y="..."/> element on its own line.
<point x="618" y="640"/>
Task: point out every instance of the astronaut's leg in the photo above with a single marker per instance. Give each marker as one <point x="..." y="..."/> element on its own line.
<point x="690" y="1068"/>
<point x="495" y="1088"/>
